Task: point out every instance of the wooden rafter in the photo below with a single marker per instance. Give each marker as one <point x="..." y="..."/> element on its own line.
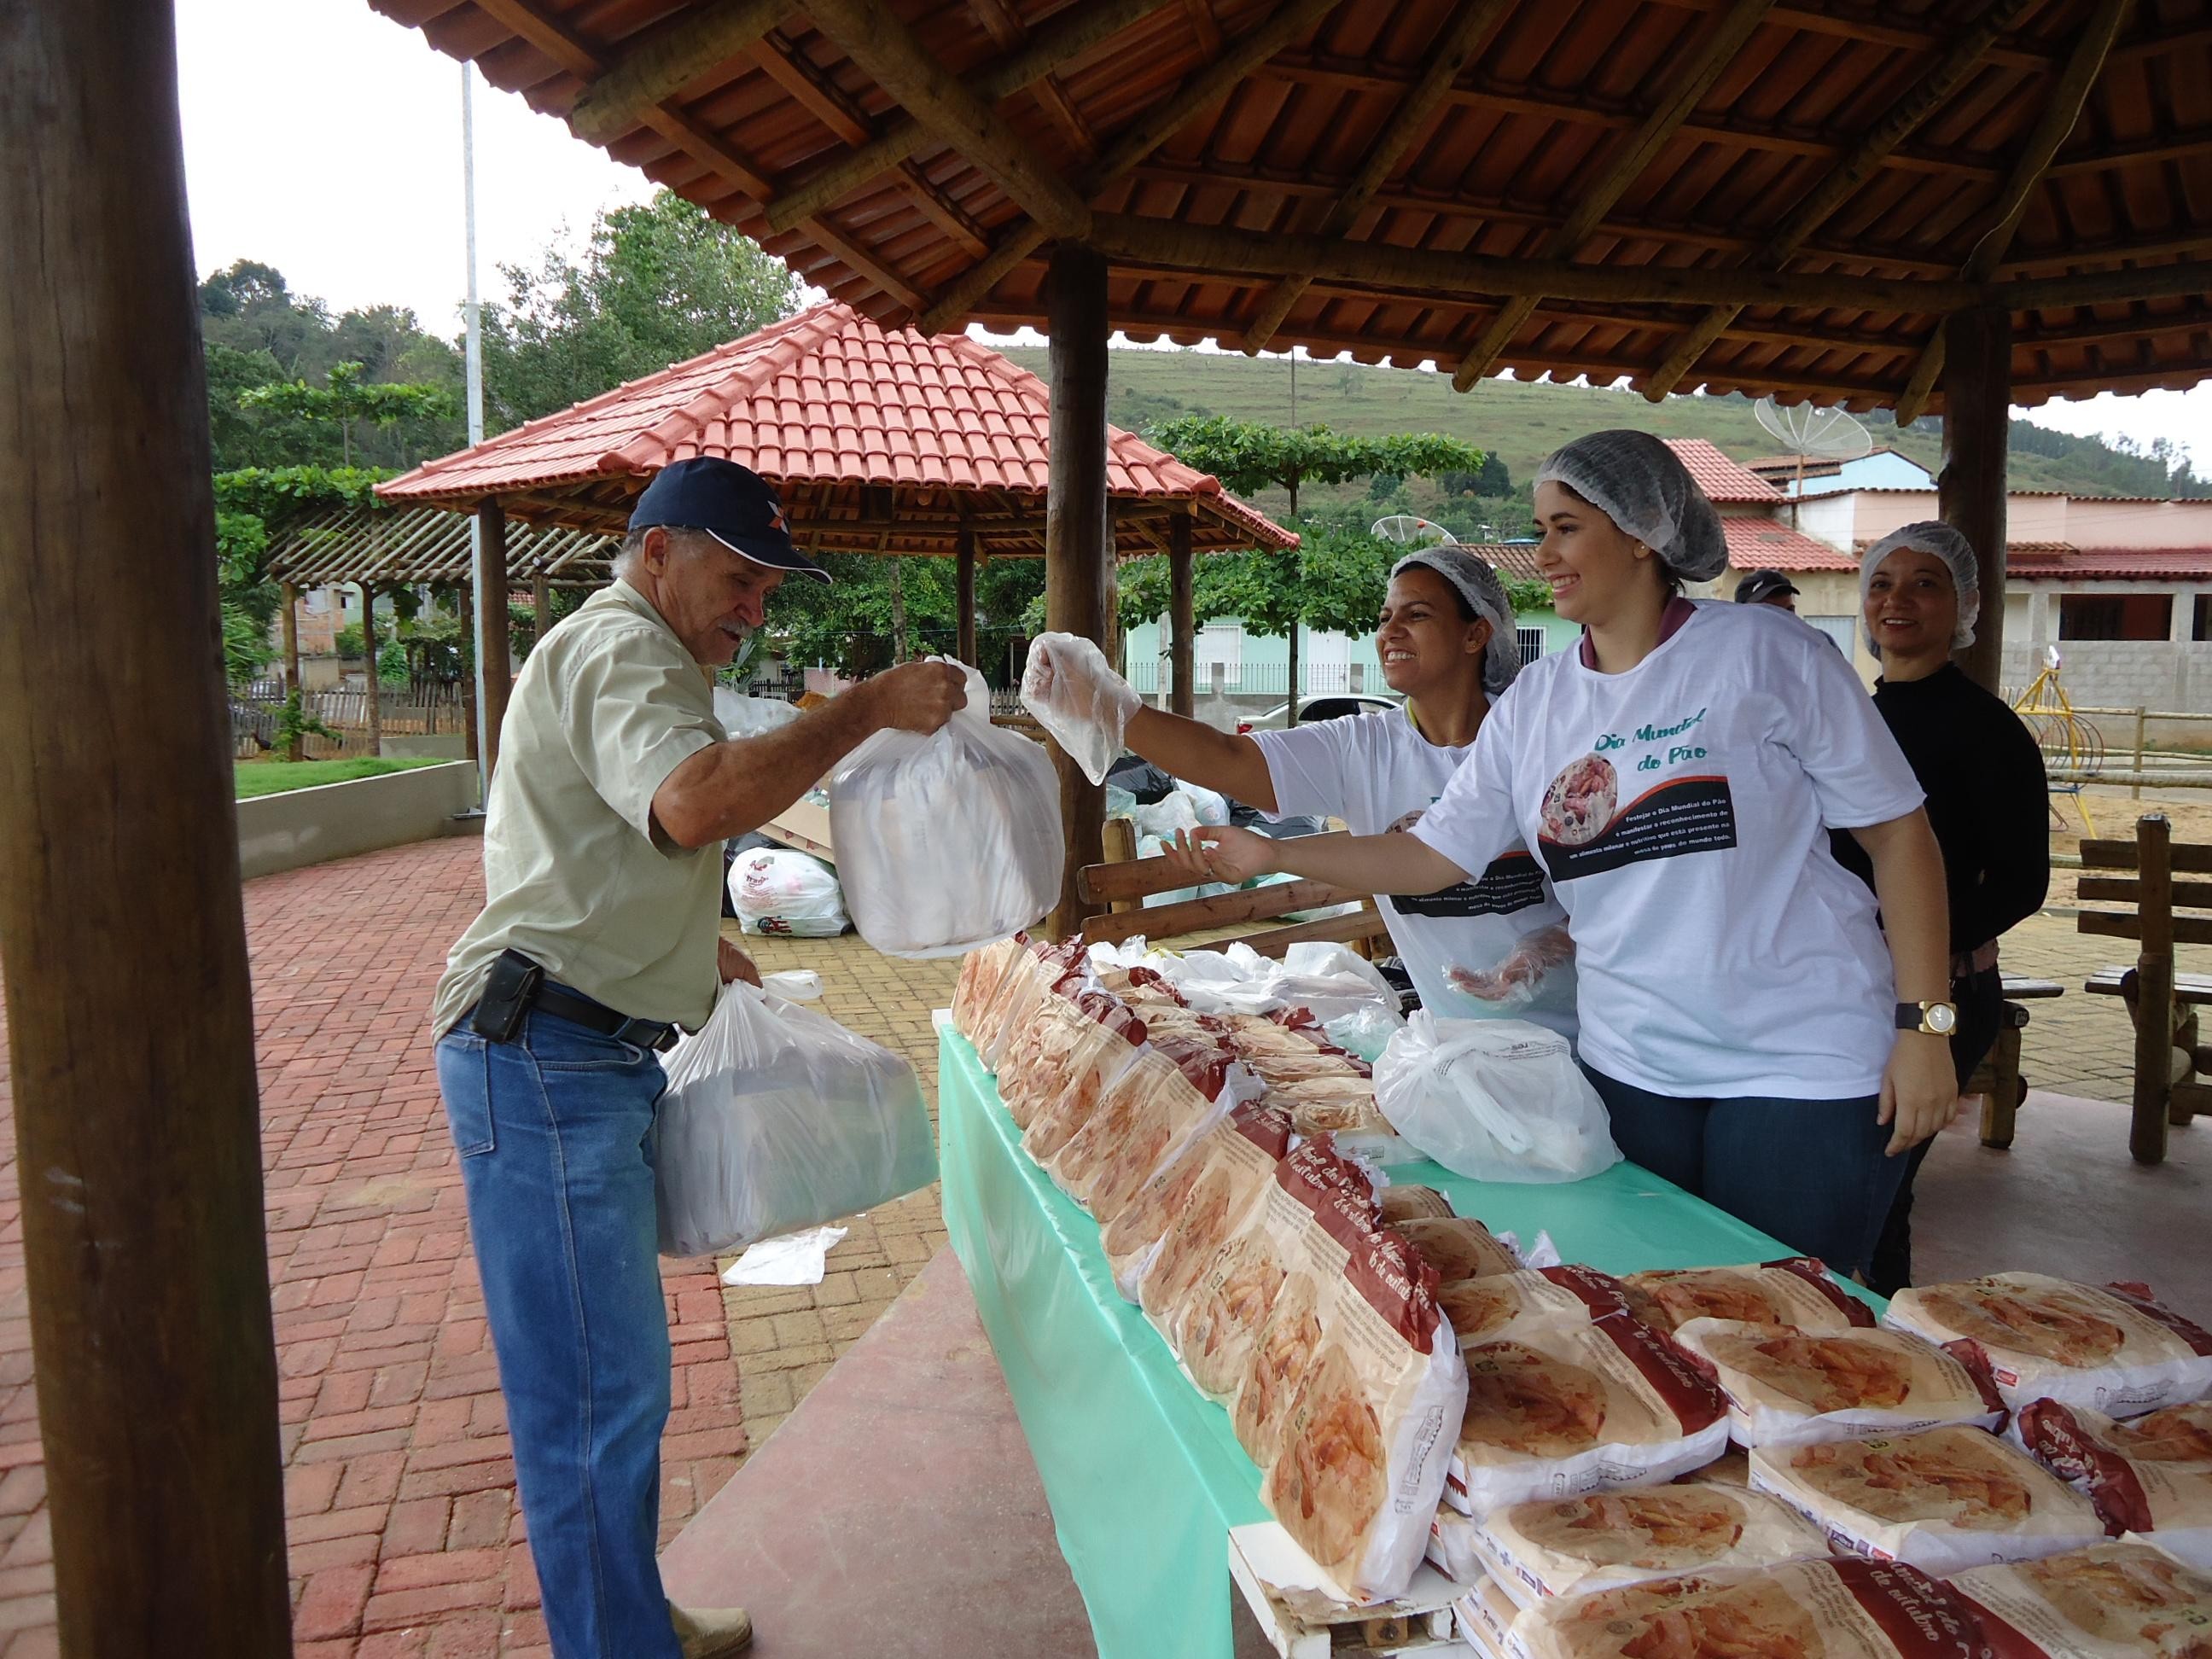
<point x="1688" y="82"/>
<point x="1082" y="29"/>
<point x="1007" y="33"/>
<point x="1898" y="122"/>
<point x="660" y="65"/>
<point x="1409" y="119"/>
<point x="2061" y="110"/>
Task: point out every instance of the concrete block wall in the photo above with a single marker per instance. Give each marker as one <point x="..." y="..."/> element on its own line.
<point x="2121" y="673"/>
<point x="336" y="820"/>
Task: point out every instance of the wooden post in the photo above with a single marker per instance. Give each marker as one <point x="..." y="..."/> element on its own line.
<point x="1077" y="562"/>
<point x="2154" y="989"/>
<point x="464" y="608"/>
<point x="1119" y="845"/>
<point x="965" y="578"/>
<point x="2135" y="791"/>
<point x="375" y="687"/>
<point x="291" y="636"/>
<point x="494" y="666"/>
<point x="1182" y="643"/>
<point x="130" y="1016"/>
<point x="1970" y="490"/>
<point x="541" y="606"/>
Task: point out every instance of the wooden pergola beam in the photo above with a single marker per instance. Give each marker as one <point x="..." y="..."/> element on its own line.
<point x="1409" y="119"/>
<point x="2060" y="113"/>
<point x="1007" y="33"/>
<point x="875" y="38"/>
<point x="1080" y="30"/>
<point x="1689" y="83"/>
<point x="661" y="65"/>
<point x="1898" y="122"/>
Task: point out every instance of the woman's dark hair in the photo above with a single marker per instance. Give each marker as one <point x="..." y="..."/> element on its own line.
<point x="1467" y="612"/>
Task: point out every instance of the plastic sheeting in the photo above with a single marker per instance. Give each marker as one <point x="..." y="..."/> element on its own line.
<point x="1144" y="1474"/>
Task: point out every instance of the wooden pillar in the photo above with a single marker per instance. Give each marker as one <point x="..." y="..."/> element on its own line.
<point x="541" y="606"/>
<point x="465" y="609"/>
<point x="130" y="1016"/>
<point x="291" y="637"/>
<point x="375" y="681"/>
<point x="965" y="604"/>
<point x="495" y="667"/>
<point x="1078" y="562"/>
<point x="1970" y="490"/>
<point x="1182" y="642"/>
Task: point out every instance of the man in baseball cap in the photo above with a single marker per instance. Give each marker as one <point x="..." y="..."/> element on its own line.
<point x="1767" y="587"/>
<point x="599" y="939"/>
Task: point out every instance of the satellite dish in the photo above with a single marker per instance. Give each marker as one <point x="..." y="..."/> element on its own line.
<point x="1812" y="434"/>
<point x="1409" y="530"/>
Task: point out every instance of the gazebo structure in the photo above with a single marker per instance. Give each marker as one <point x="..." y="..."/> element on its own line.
<point x="1960" y="205"/>
<point x="878" y="440"/>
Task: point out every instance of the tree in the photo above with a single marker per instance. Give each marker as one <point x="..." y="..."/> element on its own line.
<point x="655" y="284"/>
<point x="348" y="397"/>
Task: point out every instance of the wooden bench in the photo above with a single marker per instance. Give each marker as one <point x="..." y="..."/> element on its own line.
<point x="1997" y="1080"/>
<point x="1123" y="881"/>
<point x="2162" y="1004"/>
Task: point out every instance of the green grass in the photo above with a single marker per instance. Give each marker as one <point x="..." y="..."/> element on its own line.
<point x="268" y="777"/>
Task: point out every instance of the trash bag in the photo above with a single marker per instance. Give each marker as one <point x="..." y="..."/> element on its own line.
<point x="946" y="842"/>
<point x="775" y="890"/>
<point x="748" y="717"/>
<point x="777" y="1118"/>
<point x="1146" y="781"/>
<point x="1494" y="1100"/>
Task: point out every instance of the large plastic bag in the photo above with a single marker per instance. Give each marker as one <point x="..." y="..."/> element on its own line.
<point x="1494" y="1100"/>
<point x="1073" y="692"/>
<point x="776" y="1118"/>
<point x="949" y="841"/>
<point x="775" y="890"/>
<point x="748" y="717"/>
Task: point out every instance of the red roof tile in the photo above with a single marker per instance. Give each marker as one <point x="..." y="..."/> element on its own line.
<point x="2117" y="564"/>
<point x="1770" y="544"/>
<point x="1721" y="478"/>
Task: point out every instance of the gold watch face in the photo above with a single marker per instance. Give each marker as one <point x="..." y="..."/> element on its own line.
<point x="1940" y="1017"/>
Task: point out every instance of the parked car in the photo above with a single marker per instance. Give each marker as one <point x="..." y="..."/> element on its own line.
<point x="1321" y="706"/>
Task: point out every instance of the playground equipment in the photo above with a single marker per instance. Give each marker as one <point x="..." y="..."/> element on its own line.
<point x="2071" y="743"/>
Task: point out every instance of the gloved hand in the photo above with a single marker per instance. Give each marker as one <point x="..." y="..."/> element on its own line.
<point x="1514" y="980"/>
<point x="1076" y="696"/>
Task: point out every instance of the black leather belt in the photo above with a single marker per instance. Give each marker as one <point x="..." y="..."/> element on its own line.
<point x="610" y="1022"/>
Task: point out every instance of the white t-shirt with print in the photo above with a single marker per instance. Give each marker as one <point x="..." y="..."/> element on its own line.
<point x="1681" y="809"/>
<point x="1377" y="773"/>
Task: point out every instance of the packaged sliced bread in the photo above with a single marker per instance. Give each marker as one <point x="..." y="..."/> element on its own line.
<point x="2112" y="1349"/>
<point x="980" y="971"/>
<point x="1459" y="1246"/>
<point x="1158" y="1244"/>
<point x="2112" y="1601"/>
<point x="2149" y="1476"/>
<point x="1785" y="1387"/>
<point x="1504" y="1306"/>
<point x="1796" y="1292"/>
<point x="1396" y="1203"/>
<point x="1944" y="1499"/>
<point x="1157" y="1106"/>
<point x="1054" y="1078"/>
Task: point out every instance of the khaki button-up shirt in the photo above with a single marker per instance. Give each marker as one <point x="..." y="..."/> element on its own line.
<point x="576" y="877"/>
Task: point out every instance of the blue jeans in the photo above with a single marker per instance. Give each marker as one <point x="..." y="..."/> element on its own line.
<point x="1811" y="1173"/>
<point x="552" y="1130"/>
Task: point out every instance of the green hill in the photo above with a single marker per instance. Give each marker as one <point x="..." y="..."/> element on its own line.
<point x="1523" y="422"/>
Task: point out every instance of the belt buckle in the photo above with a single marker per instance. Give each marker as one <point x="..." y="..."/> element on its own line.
<point x="656" y="1035"/>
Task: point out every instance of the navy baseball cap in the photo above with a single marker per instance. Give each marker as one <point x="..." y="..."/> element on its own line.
<point x="731" y="503"/>
<point x="1761" y="585"/>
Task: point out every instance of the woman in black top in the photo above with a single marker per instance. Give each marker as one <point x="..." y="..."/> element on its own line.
<point x="1920" y="594"/>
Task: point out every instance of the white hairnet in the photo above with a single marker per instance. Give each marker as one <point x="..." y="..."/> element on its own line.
<point x="1642" y="487"/>
<point x="1939" y="541"/>
<point x="1478" y="584"/>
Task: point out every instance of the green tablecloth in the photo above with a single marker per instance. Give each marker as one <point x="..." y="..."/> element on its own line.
<point x="1143" y="1473"/>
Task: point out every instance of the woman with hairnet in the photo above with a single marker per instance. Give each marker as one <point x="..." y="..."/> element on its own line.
<point x="1446" y="641"/>
<point x="1753" y="1036"/>
<point x="1919" y="595"/>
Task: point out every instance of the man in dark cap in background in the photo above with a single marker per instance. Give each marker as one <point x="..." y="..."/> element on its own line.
<point x="600" y="939"/>
<point x="1768" y="587"/>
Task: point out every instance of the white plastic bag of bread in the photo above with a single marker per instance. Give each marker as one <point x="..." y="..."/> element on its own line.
<point x="2111" y="1601"/>
<point x="1156" y="1108"/>
<point x="1944" y="1499"/>
<point x="1785" y="1387"/>
<point x="1159" y="1243"/>
<point x="2114" y="1349"/>
<point x="1503" y="1307"/>
<point x="1359" y="1463"/>
<point x="1546" y="1550"/>
<point x="1802" y="1610"/>
<point x="1795" y="1293"/>
<point x="1570" y="1408"/>
<point x="2149" y="1477"/>
<point x="1051" y="1088"/>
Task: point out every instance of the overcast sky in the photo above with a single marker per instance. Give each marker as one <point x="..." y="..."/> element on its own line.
<point x="325" y="140"/>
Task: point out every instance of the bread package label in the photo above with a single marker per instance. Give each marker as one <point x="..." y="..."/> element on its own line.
<point x="980" y="971"/>
<point x="1604" y="1540"/>
<point x="1504" y="1306"/>
<point x="1485" y="1616"/>
<point x="1572" y="1408"/>
<point x="1052" y="1084"/>
<point x="1796" y="1292"/>
<point x="1459" y="1246"/>
<point x="2113" y="1350"/>
<point x="1789" y="1388"/>
<point x="1155" y="1108"/>
<point x="1359" y="1460"/>
<point x="2112" y="1601"/>
<point x="1158" y="1244"/>
<point x="1944" y="1499"/>
<point x="1802" y="1610"/>
<point x="2149" y="1476"/>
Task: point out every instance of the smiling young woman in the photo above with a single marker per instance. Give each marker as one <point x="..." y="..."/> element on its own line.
<point x="1677" y="775"/>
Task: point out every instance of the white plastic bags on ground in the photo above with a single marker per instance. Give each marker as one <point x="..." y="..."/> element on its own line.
<point x="777" y="1118"/>
<point x="946" y="842"/>
<point x="775" y="891"/>
<point x="1494" y="1100"/>
<point x="748" y="717"/>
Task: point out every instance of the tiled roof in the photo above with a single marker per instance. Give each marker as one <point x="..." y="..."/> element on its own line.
<point x="832" y="409"/>
<point x="1770" y="544"/>
<point x="2115" y="564"/>
<point x="1721" y="478"/>
<point x="1514" y="559"/>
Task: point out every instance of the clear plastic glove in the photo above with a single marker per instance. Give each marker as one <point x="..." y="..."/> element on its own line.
<point x="1514" y="980"/>
<point x="1076" y="696"/>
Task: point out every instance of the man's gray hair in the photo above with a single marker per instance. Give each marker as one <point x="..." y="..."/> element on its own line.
<point x="633" y="546"/>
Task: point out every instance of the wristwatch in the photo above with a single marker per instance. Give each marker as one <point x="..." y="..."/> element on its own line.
<point x="1937" y="1018"/>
